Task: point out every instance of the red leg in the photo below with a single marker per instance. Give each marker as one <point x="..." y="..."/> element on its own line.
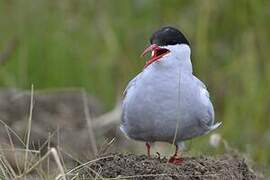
<point x="175" y="159"/>
<point x="148" y="149"/>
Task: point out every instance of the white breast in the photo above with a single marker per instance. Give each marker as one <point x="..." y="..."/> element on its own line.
<point x="164" y="93"/>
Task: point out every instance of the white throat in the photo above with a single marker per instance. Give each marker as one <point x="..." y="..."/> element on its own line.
<point x="182" y="53"/>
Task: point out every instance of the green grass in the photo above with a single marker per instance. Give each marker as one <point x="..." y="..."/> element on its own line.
<point x="96" y="45"/>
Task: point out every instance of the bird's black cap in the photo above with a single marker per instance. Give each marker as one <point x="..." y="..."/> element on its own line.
<point x="168" y="36"/>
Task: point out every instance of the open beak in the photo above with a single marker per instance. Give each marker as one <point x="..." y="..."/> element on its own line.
<point x="156" y="53"/>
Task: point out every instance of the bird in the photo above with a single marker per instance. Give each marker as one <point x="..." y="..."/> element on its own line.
<point x="166" y="102"/>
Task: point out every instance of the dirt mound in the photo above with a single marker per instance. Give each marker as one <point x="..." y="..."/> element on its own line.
<point x="132" y="166"/>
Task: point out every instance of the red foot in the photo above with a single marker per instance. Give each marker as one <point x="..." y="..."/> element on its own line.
<point x="176" y="160"/>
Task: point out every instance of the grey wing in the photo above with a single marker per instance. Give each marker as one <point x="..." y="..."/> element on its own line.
<point x="202" y="86"/>
<point x="208" y="120"/>
<point x="130" y="85"/>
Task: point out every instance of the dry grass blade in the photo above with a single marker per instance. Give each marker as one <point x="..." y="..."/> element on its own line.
<point x="78" y="161"/>
<point x="89" y="123"/>
<point x="13" y="132"/>
<point x="84" y="164"/>
<point x="48" y="148"/>
<point x="75" y="176"/>
<point x="98" y="174"/>
<point x="19" y="149"/>
<point x="69" y="155"/>
<point x="29" y="127"/>
<point x="3" y="171"/>
<point x="8" y="167"/>
<point x="45" y="143"/>
<point x="13" y="149"/>
<point x="52" y="152"/>
<point x="106" y="146"/>
<point x="58" y="162"/>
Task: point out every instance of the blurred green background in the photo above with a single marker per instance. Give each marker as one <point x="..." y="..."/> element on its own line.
<point x="96" y="45"/>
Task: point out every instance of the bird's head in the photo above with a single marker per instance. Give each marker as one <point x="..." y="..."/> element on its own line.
<point x="164" y="42"/>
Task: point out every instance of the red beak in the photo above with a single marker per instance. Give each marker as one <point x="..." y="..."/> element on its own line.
<point x="150" y="48"/>
<point x="158" y="53"/>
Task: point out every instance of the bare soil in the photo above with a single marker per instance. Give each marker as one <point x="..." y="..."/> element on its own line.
<point x="130" y="166"/>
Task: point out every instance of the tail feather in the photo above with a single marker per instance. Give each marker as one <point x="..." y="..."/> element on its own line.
<point x="216" y="125"/>
<point x="213" y="127"/>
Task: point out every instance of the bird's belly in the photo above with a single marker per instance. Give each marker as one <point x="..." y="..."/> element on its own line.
<point x="158" y="105"/>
